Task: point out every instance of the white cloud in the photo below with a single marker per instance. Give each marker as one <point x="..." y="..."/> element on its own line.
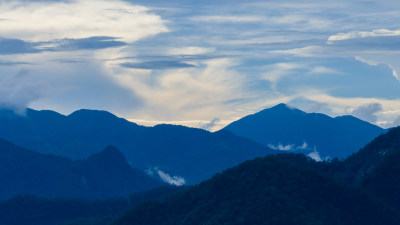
<point x="200" y="93"/>
<point x="342" y="106"/>
<point x="303" y="146"/>
<point x="257" y="39"/>
<point x="281" y="147"/>
<point x="363" y="34"/>
<point x="288" y="147"/>
<point x="46" y="21"/>
<point x="370" y="47"/>
<point x="323" y="70"/>
<point x="275" y="72"/>
<point x="308" y="51"/>
<point x="191" y="50"/>
<point x="229" y="19"/>
<point x="315" y="156"/>
<point x="17" y="91"/>
<point x="174" y="180"/>
<point x="388" y="58"/>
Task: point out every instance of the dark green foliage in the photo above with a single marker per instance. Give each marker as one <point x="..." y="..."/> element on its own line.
<point x="272" y="190"/>
<point x="360" y="163"/>
<point x="30" y="210"/>
<point x="333" y="137"/>
<point x="376" y="167"/>
<point x="384" y="179"/>
<point x="23" y="210"/>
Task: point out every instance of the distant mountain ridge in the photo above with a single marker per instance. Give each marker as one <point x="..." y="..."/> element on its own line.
<point x="105" y="174"/>
<point x="290" y="189"/>
<point x="288" y="128"/>
<point x="274" y="190"/>
<point x="179" y="151"/>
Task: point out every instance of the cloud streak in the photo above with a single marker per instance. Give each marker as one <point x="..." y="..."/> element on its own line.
<point x="157" y="65"/>
<point x="363" y="34"/>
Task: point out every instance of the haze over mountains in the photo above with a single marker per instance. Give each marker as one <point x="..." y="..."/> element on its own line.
<point x="286" y="128"/>
<point x="102" y="175"/>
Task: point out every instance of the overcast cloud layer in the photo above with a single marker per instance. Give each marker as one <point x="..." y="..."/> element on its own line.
<point x="202" y="63"/>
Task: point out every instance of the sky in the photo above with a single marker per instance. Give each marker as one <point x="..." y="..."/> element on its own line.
<point x="202" y="63"/>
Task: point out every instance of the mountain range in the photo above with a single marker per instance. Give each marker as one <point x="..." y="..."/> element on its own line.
<point x="180" y="154"/>
<point x="102" y="175"/>
<point x="362" y="188"/>
<point x="290" y="189"/>
<point x="286" y="128"/>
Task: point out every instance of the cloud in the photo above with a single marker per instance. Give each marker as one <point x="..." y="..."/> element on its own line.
<point x="172" y="180"/>
<point x="369" y="107"/>
<point x="368" y="112"/>
<point x="229" y="19"/>
<point x="12" y="63"/>
<point x="303" y="146"/>
<point x="77" y="19"/>
<point x="209" y="62"/>
<point x="16" y="46"/>
<point x="190" y="50"/>
<point x="186" y="93"/>
<point x="87" y="43"/>
<point x="209" y="126"/>
<point x="363" y="34"/>
<point x="17" y="91"/>
<point x="315" y="156"/>
<point x="157" y="65"/>
<point x="281" y="147"/>
<point x="324" y="70"/>
<point x="277" y="71"/>
<point x="310" y="106"/>
<point x="288" y="147"/>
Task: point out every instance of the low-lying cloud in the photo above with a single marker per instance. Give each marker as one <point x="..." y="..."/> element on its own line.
<point x="172" y="180"/>
<point x="209" y="126"/>
<point x="281" y="147"/>
<point x="288" y="147"/>
<point x="315" y="156"/>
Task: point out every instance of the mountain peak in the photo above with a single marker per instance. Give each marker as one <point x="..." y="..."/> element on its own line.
<point x="286" y="125"/>
<point x="283" y="106"/>
<point x="110" y="153"/>
<point x="281" y="109"/>
<point x="83" y="113"/>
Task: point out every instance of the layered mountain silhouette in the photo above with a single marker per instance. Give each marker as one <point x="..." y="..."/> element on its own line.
<point x="290" y="189"/>
<point x="102" y="175"/>
<point x="179" y="151"/>
<point x="286" y="128"/>
<point x="282" y="189"/>
<point x="276" y="189"/>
